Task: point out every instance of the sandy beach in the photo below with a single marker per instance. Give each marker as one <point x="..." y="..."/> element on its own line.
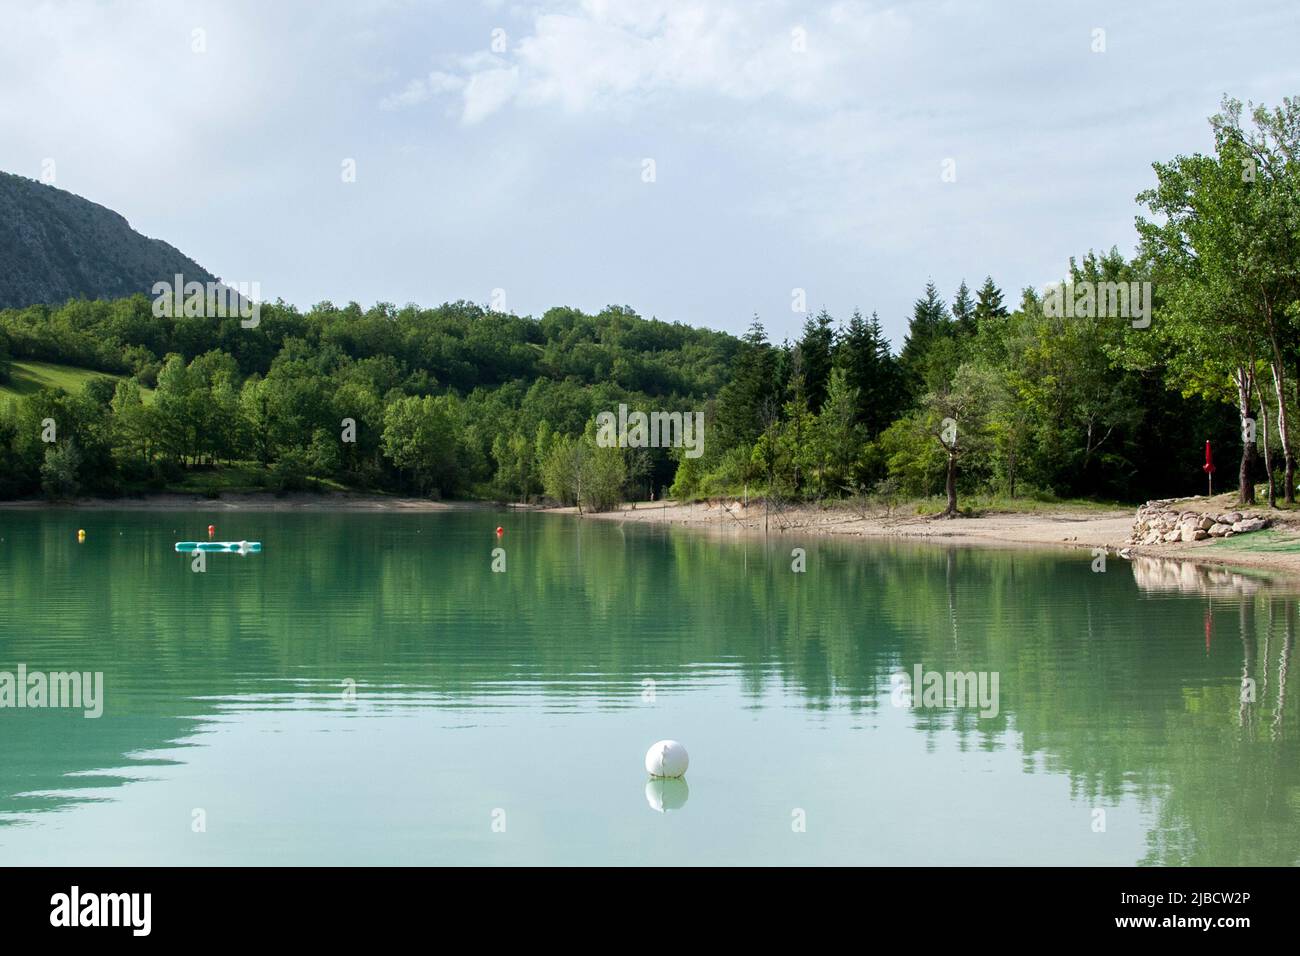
<point x="298" y="501"/>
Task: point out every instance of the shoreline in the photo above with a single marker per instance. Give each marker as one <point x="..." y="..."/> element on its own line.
<point x="1275" y="550"/>
<point x="259" y="501"/>
<point x="1064" y="527"/>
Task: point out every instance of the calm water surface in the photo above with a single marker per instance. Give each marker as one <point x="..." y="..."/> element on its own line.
<point x="504" y="717"/>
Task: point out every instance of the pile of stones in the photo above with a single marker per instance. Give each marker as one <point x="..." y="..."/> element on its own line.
<point x="1164" y="522"/>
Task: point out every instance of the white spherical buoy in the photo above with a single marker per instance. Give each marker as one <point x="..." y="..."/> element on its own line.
<point x="667" y="758"/>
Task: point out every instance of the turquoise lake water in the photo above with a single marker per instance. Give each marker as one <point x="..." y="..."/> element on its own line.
<point x="368" y="691"/>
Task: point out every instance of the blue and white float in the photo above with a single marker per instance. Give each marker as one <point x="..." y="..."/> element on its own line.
<point x="219" y="547"/>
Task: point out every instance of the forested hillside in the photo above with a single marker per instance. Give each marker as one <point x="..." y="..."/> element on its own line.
<point x="1105" y="386"/>
<point x="453" y="401"/>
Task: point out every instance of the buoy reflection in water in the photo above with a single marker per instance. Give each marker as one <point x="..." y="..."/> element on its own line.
<point x="666" y="793"/>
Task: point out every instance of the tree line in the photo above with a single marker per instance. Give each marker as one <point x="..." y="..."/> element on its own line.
<point x="454" y="401"/>
<point x="1074" y="391"/>
<point x="1104" y="385"/>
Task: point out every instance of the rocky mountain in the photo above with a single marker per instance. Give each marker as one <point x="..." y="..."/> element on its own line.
<point x="56" y="246"/>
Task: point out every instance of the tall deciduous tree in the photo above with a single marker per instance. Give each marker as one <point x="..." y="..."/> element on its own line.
<point x="419" y="437"/>
<point x="1226" y="251"/>
<point x="956" y="416"/>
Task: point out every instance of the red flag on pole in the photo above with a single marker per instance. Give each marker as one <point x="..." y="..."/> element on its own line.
<point x="1208" y="467"/>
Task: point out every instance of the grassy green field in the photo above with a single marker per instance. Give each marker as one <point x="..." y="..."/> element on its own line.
<point x="979" y="504"/>
<point x="1271" y="540"/>
<point x="27" y="377"/>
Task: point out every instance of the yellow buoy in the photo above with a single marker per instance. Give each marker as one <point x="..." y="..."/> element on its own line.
<point x="81" y="534"/>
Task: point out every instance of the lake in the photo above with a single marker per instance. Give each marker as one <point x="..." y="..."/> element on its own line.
<point x="367" y="690"/>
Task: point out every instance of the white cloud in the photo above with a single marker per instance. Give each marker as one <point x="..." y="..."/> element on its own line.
<point x="487" y="91"/>
<point x="416" y="92"/>
<point x="610" y="54"/>
<point x="421" y="90"/>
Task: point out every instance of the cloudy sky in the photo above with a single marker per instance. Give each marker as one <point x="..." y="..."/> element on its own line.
<point x="695" y="160"/>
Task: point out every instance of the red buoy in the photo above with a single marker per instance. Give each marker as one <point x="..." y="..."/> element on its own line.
<point x="500" y="531"/>
<point x="212" y="529"/>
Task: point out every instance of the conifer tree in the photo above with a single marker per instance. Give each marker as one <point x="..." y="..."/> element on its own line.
<point x="963" y="311"/>
<point x="817" y="347"/>
<point x="740" y="403"/>
<point x="929" y="325"/>
<point x="988" y="303"/>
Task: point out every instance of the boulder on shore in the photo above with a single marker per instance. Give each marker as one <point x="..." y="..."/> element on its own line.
<point x="1161" y="522"/>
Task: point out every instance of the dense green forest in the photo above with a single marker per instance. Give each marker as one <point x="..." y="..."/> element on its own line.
<point x="452" y="401"/>
<point x="1072" y="392"/>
